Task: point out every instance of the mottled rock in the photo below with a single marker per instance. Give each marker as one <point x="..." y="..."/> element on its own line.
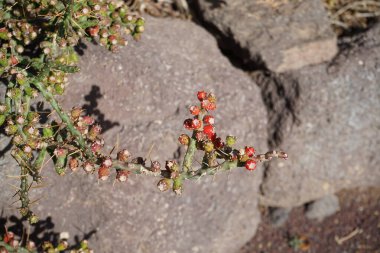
<point x="141" y="96"/>
<point x="322" y="208"/>
<point x="286" y="35"/>
<point x="332" y="130"/>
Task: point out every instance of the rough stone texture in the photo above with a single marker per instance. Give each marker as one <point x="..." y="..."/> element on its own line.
<point x="322" y="208"/>
<point x="286" y="35"/>
<point x="332" y="135"/>
<point x="278" y="216"/>
<point x="146" y="89"/>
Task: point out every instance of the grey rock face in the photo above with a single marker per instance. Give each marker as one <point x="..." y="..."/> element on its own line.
<point x="333" y="142"/>
<point x="147" y="89"/>
<point x="322" y="208"/>
<point x="286" y="35"/>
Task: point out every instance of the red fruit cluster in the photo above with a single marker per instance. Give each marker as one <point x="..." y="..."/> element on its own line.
<point x="203" y="123"/>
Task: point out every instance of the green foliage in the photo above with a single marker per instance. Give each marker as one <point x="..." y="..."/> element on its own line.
<point x="37" y="40"/>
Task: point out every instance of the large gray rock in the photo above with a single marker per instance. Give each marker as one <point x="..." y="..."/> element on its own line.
<point x="335" y="140"/>
<point x="146" y="89"/>
<point x="322" y="208"/>
<point x="286" y="35"/>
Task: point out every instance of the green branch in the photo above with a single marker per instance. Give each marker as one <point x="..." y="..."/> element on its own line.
<point x="65" y="118"/>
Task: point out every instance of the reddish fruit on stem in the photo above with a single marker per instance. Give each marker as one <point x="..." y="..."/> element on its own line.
<point x="207" y="105"/>
<point x="196" y="124"/>
<point x="93" y="31"/>
<point x="209" y="130"/>
<point x="201" y="95"/>
<point x="123" y="155"/>
<point x="184" y="139"/>
<point x="218" y="143"/>
<point x="88" y="167"/>
<point x="107" y="162"/>
<point x="208" y="119"/>
<point x="73" y="164"/>
<point x="88" y="120"/>
<point x="103" y="173"/>
<point x="122" y="175"/>
<point x="8" y="237"/>
<point x="188" y="124"/>
<point x="249" y="151"/>
<point x="155" y="166"/>
<point x="250" y="164"/>
<point x="195" y="110"/>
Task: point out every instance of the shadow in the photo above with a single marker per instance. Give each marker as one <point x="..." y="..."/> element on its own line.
<point x="7" y="148"/>
<point x="43" y="112"/>
<point x="91" y="109"/>
<point x="81" y="47"/>
<point x="215" y="4"/>
<point x="40" y="232"/>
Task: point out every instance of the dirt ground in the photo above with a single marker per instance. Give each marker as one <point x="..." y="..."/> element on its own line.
<point x="354" y="229"/>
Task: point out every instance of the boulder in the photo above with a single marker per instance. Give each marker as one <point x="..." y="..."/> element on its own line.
<point x="322" y="208"/>
<point x="285" y="35"/>
<point x="141" y="96"/>
<point x="332" y="130"/>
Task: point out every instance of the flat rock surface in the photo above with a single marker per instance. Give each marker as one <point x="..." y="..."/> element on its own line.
<point x="141" y="97"/>
<point x="333" y="142"/>
<point x="286" y="35"/>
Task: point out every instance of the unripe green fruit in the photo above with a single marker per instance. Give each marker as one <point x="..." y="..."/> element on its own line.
<point x="177" y="185"/>
<point x="47" y="132"/>
<point x="230" y="140"/>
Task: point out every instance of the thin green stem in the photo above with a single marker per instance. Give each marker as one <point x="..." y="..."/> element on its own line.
<point x="66" y="119"/>
<point x="212" y="170"/>
<point x="188" y="160"/>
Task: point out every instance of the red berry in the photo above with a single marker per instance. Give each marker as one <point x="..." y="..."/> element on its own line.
<point x="96" y="146"/>
<point x="107" y="162"/>
<point x="103" y="173"/>
<point x="205" y="104"/>
<point x="250" y="164"/>
<point x="13" y="60"/>
<point x="195" y="110"/>
<point x="88" y="120"/>
<point x="209" y="106"/>
<point x="184" y="139"/>
<point x="196" y="123"/>
<point x="200" y="136"/>
<point x="73" y="164"/>
<point x="209" y="130"/>
<point x="93" y="31"/>
<point x="8" y="237"/>
<point x="188" y="124"/>
<point x="122" y="175"/>
<point x="155" y="167"/>
<point x="218" y="143"/>
<point x="201" y="95"/>
<point x="249" y="151"/>
<point x="88" y="167"/>
<point x="208" y="119"/>
<point x="123" y="155"/>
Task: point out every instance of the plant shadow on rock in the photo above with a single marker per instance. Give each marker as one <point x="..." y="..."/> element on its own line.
<point x="216" y="3"/>
<point x="91" y="108"/>
<point x="42" y="231"/>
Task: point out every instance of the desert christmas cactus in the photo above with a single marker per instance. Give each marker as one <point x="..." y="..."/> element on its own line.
<point x="9" y="244"/>
<point x="37" y="53"/>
